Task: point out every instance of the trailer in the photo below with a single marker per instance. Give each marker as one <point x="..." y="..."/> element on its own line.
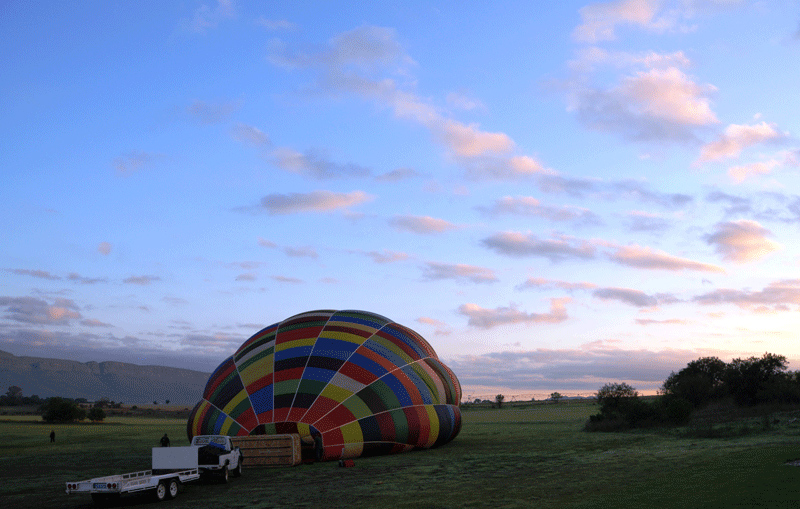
<point x="109" y="488"/>
<point x="171" y="468"/>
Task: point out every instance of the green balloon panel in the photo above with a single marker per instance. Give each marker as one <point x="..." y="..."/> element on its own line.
<point x="366" y="384"/>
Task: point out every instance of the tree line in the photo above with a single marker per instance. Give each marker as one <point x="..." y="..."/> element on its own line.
<point x="745" y="382"/>
<point x="57" y="409"/>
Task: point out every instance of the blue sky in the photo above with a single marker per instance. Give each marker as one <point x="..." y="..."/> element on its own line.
<point x="555" y="194"/>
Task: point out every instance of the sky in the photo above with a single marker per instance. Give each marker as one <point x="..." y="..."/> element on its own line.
<point x="556" y="195"/>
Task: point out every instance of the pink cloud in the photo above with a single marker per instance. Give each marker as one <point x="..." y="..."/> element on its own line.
<point x="488" y="318"/>
<point x="459" y="272"/>
<point x="647" y="258"/>
<point x="315" y="201"/>
<point x="737" y="138"/>
<point x="742" y="241"/>
<point x="425" y="225"/>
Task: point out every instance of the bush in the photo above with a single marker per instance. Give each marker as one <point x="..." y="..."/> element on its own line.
<point x="96" y="414"/>
<point x="62" y="410"/>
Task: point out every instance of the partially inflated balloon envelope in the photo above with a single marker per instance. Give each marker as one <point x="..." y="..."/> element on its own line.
<point x="367" y="385"/>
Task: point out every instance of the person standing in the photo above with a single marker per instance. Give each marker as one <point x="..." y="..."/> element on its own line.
<point x="52" y="436"/>
<point x="165" y="441"/>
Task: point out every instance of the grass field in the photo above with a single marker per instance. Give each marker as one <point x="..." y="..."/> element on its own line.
<point x="532" y="457"/>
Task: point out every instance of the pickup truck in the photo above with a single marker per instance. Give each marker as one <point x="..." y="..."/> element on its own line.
<point x="216" y="454"/>
<point x="171" y="467"/>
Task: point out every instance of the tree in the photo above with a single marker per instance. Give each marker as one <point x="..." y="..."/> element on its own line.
<point x="166" y="401"/>
<point x="611" y="396"/>
<point x="499" y="399"/>
<point x="757" y="380"/>
<point x="62" y="410"/>
<point x="700" y="382"/>
<point x="96" y="414"/>
<point x="555" y="397"/>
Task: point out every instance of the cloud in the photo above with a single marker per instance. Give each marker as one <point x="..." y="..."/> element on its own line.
<point x="397" y="174"/>
<point x="778" y="296"/>
<point x="295" y="252"/>
<point x="287" y="279"/>
<point x="670" y="321"/>
<point x="315" y="201"/>
<point x="314" y="165"/>
<point x="104" y="248"/>
<point x="640" y="221"/>
<point x="440" y="328"/>
<point x="581" y="370"/>
<point x="737" y="138"/>
<point x="246" y="276"/>
<point x="41" y="274"/>
<point x="74" y="276"/>
<point x="610" y="190"/>
<point x="736" y="204"/>
<point x="741" y="173"/>
<point x="134" y="161"/>
<point x="488" y="318"/>
<point x="742" y="241"/>
<point x="266" y="243"/>
<point x="275" y="24"/>
<point x="361" y="61"/>
<point x="216" y="342"/>
<point x="206" y="17"/>
<point x="647" y="258"/>
<point x="38" y="311"/>
<point x="529" y="206"/>
<point x="209" y="113"/>
<point x="652" y="105"/>
<point x="599" y="20"/>
<point x="251" y="135"/>
<point x="469" y="141"/>
<point x="301" y="252"/>
<point x="387" y="256"/>
<point x="534" y="282"/>
<point x="634" y="190"/>
<point x="627" y="296"/>
<point x="461" y="101"/>
<point x="459" y="272"/>
<point x="424" y="225"/>
<point x="141" y="280"/>
<point x="519" y="244"/>
<point x="95" y="323"/>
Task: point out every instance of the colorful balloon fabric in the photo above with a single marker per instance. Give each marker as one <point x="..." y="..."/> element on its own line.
<point x="367" y="385"/>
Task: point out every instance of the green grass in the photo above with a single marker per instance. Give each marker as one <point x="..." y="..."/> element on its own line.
<point x="538" y="456"/>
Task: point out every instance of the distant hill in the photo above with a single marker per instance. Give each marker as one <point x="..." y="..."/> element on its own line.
<point x="117" y="381"/>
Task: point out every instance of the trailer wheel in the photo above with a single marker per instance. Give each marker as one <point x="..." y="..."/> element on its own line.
<point x="161" y="491"/>
<point x="172" y="489"/>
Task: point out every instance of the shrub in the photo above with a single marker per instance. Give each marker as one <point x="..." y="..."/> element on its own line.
<point x="62" y="410"/>
<point x="96" y="414"/>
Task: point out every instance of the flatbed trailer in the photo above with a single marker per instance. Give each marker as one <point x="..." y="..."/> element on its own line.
<point x="113" y="486"/>
<point x="171" y="467"/>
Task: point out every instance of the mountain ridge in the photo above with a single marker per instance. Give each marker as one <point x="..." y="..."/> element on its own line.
<point x="117" y="381"/>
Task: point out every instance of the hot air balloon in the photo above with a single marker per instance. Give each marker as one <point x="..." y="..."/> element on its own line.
<point x="365" y="384"/>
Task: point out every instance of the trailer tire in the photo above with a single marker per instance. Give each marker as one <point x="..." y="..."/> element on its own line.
<point x="162" y="491"/>
<point x="172" y="488"/>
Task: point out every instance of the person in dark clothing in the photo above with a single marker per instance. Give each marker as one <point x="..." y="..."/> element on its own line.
<point x="165" y="441"/>
<point x="318" y="448"/>
<point x="52" y="436"/>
